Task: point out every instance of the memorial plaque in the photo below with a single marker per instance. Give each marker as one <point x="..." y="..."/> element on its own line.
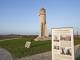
<point x="62" y="44"/>
<point x="5" y="55"/>
<point x="28" y="44"/>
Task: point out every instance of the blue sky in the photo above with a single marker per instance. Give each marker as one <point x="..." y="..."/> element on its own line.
<point x="21" y="16"/>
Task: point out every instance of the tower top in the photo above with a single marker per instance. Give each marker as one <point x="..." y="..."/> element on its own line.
<point x="42" y="11"/>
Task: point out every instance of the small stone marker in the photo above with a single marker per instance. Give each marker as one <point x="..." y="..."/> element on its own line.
<point x="5" y="55"/>
<point x="28" y="44"/>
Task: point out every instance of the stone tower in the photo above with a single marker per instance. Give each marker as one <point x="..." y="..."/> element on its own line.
<point x="43" y="27"/>
<point x="43" y="32"/>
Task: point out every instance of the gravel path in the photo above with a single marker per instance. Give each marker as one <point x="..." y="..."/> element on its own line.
<point x="5" y="55"/>
<point x="41" y="56"/>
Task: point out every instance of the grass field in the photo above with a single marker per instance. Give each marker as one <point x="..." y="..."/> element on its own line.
<point x="17" y="46"/>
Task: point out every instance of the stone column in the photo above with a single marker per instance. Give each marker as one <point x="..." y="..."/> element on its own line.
<point x="43" y="27"/>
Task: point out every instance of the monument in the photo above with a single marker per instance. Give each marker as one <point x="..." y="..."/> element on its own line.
<point x="43" y="34"/>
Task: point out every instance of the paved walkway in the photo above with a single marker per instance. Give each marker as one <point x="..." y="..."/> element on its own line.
<point x="5" y="55"/>
<point x="77" y="51"/>
<point x="41" y="56"/>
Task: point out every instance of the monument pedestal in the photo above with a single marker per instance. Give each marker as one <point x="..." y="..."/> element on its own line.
<point x="42" y="38"/>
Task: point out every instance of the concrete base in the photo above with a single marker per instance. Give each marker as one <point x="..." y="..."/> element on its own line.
<point x="42" y="38"/>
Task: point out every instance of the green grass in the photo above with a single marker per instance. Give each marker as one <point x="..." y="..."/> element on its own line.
<point x="17" y="47"/>
<point x="76" y="41"/>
